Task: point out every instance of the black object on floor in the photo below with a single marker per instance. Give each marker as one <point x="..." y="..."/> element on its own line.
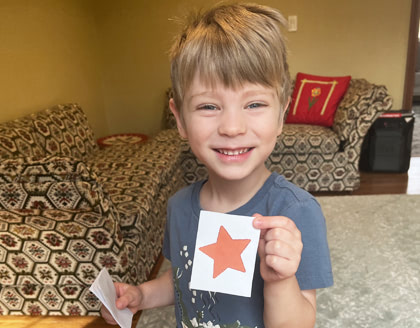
<point x="387" y="145"/>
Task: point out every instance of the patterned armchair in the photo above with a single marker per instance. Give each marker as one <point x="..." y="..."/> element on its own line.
<point x="317" y="158"/>
<point x="68" y="209"/>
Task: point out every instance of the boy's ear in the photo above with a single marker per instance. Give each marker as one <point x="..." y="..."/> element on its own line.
<point x="179" y="121"/>
<point x="282" y="117"/>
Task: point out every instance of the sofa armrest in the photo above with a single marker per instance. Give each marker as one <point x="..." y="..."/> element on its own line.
<point x="18" y="139"/>
<point x="51" y="183"/>
<point x="54" y="255"/>
<point x="359" y="108"/>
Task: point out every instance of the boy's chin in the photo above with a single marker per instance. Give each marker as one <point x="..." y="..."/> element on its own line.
<point x="239" y="174"/>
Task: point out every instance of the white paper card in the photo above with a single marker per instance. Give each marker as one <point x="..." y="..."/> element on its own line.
<point x="104" y="289"/>
<point x="225" y="253"/>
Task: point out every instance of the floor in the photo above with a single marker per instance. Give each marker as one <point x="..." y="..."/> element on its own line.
<point x="391" y="183"/>
<point x="20" y="321"/>
<point x="374" y="253"/>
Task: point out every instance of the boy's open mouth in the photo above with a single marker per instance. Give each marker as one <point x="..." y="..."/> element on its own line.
<point x="233" y="152"/>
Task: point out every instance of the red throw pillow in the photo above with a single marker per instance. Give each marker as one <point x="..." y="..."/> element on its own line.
<point x="315" y="99"/>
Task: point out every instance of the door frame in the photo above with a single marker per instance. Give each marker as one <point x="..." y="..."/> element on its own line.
<point x="411" y="55"/>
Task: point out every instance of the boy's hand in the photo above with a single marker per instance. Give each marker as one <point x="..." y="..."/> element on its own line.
<point x="280" y="247"/>
<point x="128" y="296"/>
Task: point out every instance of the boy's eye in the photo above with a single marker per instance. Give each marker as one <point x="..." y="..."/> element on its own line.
<point x="255" y="105"/>
<point x="207" y="107"/>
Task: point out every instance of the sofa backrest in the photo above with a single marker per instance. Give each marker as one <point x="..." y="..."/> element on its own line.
<point x="64" y="130"/>
<point x="60" y="130"/>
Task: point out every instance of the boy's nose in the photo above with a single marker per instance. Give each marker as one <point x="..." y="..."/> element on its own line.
<point x="232" y="123"/>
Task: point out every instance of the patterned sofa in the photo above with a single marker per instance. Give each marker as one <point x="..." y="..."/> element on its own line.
<point x="68" y="208"/>
<point x="313" y="157"/>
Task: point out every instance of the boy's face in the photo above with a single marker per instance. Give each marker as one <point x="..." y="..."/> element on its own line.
<point x="232" y="131"/>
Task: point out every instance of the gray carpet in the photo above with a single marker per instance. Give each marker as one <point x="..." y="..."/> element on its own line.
<point x="375" y="250"/>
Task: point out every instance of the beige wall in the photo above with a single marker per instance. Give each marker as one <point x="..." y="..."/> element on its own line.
<point x="48" y="55"/>
<point x="110" y="56"/>
<point x="365" y="39"/>
<point x="134" y="40"/>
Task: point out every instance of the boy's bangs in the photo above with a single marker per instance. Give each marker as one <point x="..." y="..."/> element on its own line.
<point x="232" y="67"/>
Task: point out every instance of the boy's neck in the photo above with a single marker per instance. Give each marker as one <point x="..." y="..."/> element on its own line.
<point x="220" y="195"/>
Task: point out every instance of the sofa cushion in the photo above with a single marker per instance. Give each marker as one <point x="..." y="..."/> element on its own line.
<point x="307" y="139"/>
<point x="139" y="179"/>
<point x="64" y="130"/>
<point x="17" y="139"/>
<point x="315" y="99"/>
<point x="134" y="174"/>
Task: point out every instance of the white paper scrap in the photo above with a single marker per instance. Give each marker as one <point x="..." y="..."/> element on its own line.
<point x="104" y="289"/>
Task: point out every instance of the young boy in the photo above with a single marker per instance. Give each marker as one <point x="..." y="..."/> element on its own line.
<point x="231" y="88"/>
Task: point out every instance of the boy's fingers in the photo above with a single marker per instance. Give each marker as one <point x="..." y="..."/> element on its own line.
<point x="120" y="288"/>
<point x="261" y="249"/>
<point x="284" y="236"/>
<point x="124" y="301"/>
<point x="279" y="264"/>
<point x="280" y="249"/>
<point x="279" y="234"/>
<point x="107" y="315"/>
<point x="270" y="222"/>
<point x="126" y="297"/>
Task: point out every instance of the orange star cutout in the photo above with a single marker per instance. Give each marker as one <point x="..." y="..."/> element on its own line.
<point x="226" y="252"/>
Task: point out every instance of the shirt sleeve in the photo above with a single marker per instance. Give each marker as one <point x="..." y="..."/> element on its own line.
<point x="315" y="266"/>
<point x="166" y="238"/>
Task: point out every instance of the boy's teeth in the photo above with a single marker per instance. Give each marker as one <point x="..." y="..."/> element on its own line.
<point x="233" y="152"/>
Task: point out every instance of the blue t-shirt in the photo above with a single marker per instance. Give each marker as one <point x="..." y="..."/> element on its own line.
<point x="194" y="308"/>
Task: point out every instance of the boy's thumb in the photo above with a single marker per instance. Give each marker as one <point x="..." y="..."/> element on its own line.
<point x="122" y="302"/>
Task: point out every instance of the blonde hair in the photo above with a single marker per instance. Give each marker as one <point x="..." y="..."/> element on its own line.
<point x="231" y="44"/>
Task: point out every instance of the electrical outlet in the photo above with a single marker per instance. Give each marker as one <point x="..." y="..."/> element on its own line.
<point x="292" y="23"/>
